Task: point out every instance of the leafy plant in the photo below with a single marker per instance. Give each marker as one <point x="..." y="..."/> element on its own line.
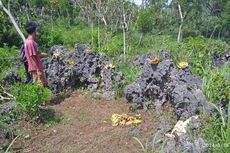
<point x="217" y="87"/>
<point x="30" y="96"/>
<point x="145" y="21"/>
<point x="7" y="56"/>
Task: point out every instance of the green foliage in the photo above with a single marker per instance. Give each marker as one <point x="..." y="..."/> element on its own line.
<point x="145" y="21"/>
<point x="50" y="38"/>
<point x="217" y="133"/>
<point x="8" y="55"/>
<point x="198" y="52"/>
<point x="216" y="85"/>
<point x="58" y="33"/>
<point x="30" y="96"/>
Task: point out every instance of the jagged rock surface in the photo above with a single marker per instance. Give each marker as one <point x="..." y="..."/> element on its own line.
<point x="164" y="82"/>
<point x="10" y="79"/>
<point x="79" y="68"/>
<point x="220" y="59"/>
<point x="186" y="142"/>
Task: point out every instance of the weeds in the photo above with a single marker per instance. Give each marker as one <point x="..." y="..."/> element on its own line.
<point x="11" y="144"/>
<point x="30" y="96"/>
<point x="144" y="148"/>
<point x="155" y="149"/>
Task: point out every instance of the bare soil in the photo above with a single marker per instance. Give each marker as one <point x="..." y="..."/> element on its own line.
<point x="86" y="128"/>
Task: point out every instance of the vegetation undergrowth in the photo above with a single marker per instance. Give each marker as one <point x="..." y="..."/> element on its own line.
<point x="148" y="31"/>
<point x="30" y="97"/>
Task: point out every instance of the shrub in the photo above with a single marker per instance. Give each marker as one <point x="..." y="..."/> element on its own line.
<point x="217" y="133"/>
<point x="30" y="96"/>
<point x="198" y="52"/>
<point x="145" y="21"/>
<point x="216" y="85"/>
<point x="49" y="37"/>
<point x="7" y="56"/>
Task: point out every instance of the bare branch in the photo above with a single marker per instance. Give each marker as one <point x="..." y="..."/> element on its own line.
<point x="12" y="20"/>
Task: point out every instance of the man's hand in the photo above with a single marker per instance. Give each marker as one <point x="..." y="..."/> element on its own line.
<point x="39" y="73"/>
<point x="43" y="54"/>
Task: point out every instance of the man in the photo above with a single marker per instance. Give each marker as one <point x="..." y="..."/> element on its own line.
<point x="35" y="66"/>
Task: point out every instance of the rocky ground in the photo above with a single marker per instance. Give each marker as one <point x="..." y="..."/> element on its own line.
<point x="160" y="87"/>
<point x="161" y="83"/>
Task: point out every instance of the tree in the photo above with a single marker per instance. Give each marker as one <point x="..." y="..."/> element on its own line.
<point x="145" y="21"/>
<point x="179" y="37"/>
<point x="7" y="11"/>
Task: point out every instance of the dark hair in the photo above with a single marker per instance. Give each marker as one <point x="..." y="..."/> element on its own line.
<point x="31" y="27"/>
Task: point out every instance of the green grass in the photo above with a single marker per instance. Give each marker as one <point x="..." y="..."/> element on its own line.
<point x="196" y="51"/>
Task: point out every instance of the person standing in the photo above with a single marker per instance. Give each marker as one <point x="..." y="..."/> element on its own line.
<point x="35" y="66"/>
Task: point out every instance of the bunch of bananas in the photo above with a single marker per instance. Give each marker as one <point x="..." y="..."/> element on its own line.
<point x="89" y="52"/>
<point x="72" y="63"/>
<point x="182" y="65"/>
<point x="155" y="61"/>
<point x="110" y="66"/>
<point x="124" y="119"/>
<point x="56" y="55"/>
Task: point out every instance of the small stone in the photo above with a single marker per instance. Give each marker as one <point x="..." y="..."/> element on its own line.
<point x="27" y="136"/>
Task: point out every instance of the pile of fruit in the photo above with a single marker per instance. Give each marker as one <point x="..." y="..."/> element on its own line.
<point x="124" y="119"/>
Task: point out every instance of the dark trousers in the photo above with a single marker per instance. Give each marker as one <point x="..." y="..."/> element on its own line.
<point x="28" y="75"/>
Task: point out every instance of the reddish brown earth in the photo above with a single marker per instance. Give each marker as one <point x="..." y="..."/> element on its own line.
<point x="86" y="128"/>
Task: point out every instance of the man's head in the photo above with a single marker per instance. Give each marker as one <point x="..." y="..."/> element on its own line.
<point x="31" y="28"/>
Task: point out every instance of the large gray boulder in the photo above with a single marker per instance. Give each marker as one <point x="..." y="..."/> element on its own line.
<point x="165" y="83"/>
<point x="67" y="70"/>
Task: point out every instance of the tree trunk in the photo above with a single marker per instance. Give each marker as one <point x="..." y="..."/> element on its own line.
<point x="213" y="32"/>
<point x="27" y="13"/>
<point x="141" y="39"/>
<point x="42" y="10"/>
<point x="125" y="27"/>
<point x="179" y="37"/>
<point x="103" y="19"/>
<point x="92" y="31"/>
<point x="98" y="35"/>
<point x="13" y="21"/>
<point x="68" y="16"/>
<point x="143" y="4"/>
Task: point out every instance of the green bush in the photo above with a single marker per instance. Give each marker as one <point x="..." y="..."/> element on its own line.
<point x="30" y="96"/>
<point x="217" y="133"/>
<point x="7" y="57"/>
<point x="216" y="85"/>
<point x="145" y="21"/>
<point x="198" y="53"/>
<point x="49" y="37"/>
